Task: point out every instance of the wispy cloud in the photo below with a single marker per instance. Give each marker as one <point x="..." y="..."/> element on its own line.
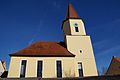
<point x="108" y="42"/>
<point x="55" y="4"/>
<point x="36" y="33"/>
<point x="106" y="47"/>
<point x="109" y="51"/>
<point x="30" y="42"/>
<point x="109" y="38"/>
<point x="100" y="44"/>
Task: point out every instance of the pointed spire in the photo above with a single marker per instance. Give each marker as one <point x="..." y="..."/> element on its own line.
<point x="71" y="13"/>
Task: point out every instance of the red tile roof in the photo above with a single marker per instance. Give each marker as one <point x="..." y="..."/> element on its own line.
<point x="71" y="13"/>
<point x="45" y="49"/>
<point x="117" y="59"/>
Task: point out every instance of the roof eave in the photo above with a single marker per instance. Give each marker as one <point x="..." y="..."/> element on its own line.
<point x="11" y="55"/>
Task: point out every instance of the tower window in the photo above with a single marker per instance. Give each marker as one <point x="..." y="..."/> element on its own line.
<point x="23" y="68"/>
<point x="59" y="69"/>
<point x="76" y="29"/>
<point x="80" y="70"/>
<point x="39" y="69"/>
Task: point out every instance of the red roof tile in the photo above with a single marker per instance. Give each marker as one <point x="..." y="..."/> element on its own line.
<point x="45" y="49"/>
<point x="71" y="13"/>
<point x="116" y="58"/>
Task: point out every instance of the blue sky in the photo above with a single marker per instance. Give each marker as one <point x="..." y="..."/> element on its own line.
<point x="23" y="22"/>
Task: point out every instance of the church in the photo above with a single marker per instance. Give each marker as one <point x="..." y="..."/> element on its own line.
<point x="72" y="58"/>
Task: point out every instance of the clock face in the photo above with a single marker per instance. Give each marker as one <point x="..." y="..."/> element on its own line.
<point x="75" y="24"/>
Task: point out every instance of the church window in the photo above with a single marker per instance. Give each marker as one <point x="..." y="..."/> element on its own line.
<point x="59" y="69"/>
<point x="80" y="70"/>
<point x="39" y="68"/>
<point x="23" y="68"/>
<point x="76" y="27"/>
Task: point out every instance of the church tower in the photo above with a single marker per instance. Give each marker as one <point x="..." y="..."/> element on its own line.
<point x="79" y="44"/>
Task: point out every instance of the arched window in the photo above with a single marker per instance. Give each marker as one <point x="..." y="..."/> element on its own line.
<point x="76" y="27"/>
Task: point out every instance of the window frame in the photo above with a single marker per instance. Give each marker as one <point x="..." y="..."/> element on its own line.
<point x="76" y="29"/>
<point x="39" y="70"/>
<point x="59" y="68"/>
<point x="80" y="71"/>
<point x="23" y="67"/>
